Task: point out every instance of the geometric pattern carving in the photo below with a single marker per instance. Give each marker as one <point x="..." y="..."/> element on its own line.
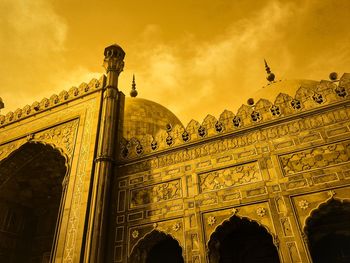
<point x="230" y="177"/>
<point x="156" y="193"/>
<point x="318" y="157"/>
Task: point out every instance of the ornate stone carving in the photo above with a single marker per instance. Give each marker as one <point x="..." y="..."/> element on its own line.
<point x="293" y="252"/>
<point x="74" y="219"/>
<point x="234" y="211"/>
<point x="249" y="138"/>
<point x="135" y="234"/>
<point x="303" y="204"/>
<point x="261" y="211"/>
<point x="230" y="177"/>
<point x="176" y="227"/>
<point x="317" y="157"/>
<point x="211" y="220"/>
<point x="287" y="230"/>
<point x="281" y="207"/>
<point x="156" y="193"/>
<point x="54" y="100"/>
<point x="305" y="99"/>
<point x="62" y="136"/>
<point x="194" y="242"/>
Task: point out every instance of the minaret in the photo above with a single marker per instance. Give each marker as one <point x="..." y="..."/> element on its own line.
<point x="95" y="251"/>
<point x="133" y="92"/>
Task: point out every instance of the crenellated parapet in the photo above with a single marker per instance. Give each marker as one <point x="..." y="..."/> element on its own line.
<point x="262" y="113"/>
<point x="54" y="101"/>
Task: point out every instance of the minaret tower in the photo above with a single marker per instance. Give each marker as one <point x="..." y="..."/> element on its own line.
<point x="112" y="99"/>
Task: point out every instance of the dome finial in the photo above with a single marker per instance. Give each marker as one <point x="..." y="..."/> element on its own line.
<point x="2" y="105"/>
<point x="133" y="92"/>
<point x="270" y="76"/>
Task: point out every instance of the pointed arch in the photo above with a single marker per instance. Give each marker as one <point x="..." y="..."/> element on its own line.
<point x="327" y="231"/>
<point x="31" y="191"/>
<point x="234" y="239"/>
<point x="145" y="246"/>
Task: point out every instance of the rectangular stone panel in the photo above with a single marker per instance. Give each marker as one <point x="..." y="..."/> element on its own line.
<point x="155" y="193"/>
<point x="135" y="216"/>
<point x="121" y="201"/>
<point x="229" y="177"/>
<point x="325" y="178"/>
<point x="315" y="158"/>
<point x="119" y="234"/>
<point x="337" y="131"/>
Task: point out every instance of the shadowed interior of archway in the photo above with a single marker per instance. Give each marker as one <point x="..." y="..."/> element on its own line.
<point x="30" y="192"/>
<point x="157" y="247"/>
<point x="239" y="240"/>
<point x="328" y="232"/>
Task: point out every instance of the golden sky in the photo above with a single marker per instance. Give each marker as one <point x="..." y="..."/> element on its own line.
<point x="196" y="57"/>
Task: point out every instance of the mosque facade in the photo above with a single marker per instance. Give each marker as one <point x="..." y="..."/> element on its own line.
<point x="89" y="175"/>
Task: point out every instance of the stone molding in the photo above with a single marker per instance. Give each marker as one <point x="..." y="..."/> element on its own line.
<point x="264" y="112"/>
<point x="54" y="101"/>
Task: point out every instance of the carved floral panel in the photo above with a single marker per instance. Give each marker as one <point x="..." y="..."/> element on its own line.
<point x="230" y="177"/>
<point x="317" y="157"/>
<point x="155" y="193"/>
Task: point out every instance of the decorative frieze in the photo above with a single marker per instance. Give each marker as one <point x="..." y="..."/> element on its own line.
<point x="155" y="193"/>
<point x="54" y="100"/>
<point x="315" y="158"/>
<point x="248" y="116"/>
<point x="229" y="177"/>
<point x="249" y="138"/>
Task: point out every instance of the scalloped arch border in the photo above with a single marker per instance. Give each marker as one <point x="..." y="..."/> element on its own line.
<point x="147" y="234"/>
<point x="274" y="236"/>
<point x="319" y="207"/>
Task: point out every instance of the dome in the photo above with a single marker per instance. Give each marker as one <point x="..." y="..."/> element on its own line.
<point x="290" y="87"/>
<point x="145" y="117"/>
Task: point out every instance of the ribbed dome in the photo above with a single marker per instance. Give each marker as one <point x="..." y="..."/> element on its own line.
<point x="142" y="117"/>
<point x="290" y="87"/>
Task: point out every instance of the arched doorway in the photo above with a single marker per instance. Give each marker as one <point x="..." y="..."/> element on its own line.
<point x="157" y="247"/>
<point x="240" y="240"/>
<point x="328" y="232"/>
<point x="30" y="195"/>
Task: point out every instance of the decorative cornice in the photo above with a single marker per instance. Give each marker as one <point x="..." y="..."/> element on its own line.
<point x="326" y="94"/>
<point x="54" y="101"/>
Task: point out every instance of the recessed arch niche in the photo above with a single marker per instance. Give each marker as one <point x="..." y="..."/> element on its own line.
<point x="328" y="232"/>
<point x="157" y="247"/>
<point x="30" y="198"/>
<point x="240" y="240"/>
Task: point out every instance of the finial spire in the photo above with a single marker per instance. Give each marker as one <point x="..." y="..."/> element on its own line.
<point x="2" y="105"/>
<point x="133" y="92"/>
<point x="270" y="76"/>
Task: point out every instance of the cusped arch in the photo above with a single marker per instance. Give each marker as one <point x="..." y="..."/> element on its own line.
<point x="321" y="208"/>
<point x="15" y="147"/>
<point x="230" y="225"/>
<point x="327" y="231"/>
<point x="32" y="177"/>
<point x="142" y="247"/>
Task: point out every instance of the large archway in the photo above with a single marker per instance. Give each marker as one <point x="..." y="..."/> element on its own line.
<point x="328" y="232"/>
<point x="30" y="195"/>
<point x="240" y="240"/>
<point x="157" y="247"/>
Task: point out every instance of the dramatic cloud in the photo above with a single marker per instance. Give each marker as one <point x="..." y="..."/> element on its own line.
<point x="194" y="59"/>
<point x="32" y="48"/>
<point x="218" y="73"/>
